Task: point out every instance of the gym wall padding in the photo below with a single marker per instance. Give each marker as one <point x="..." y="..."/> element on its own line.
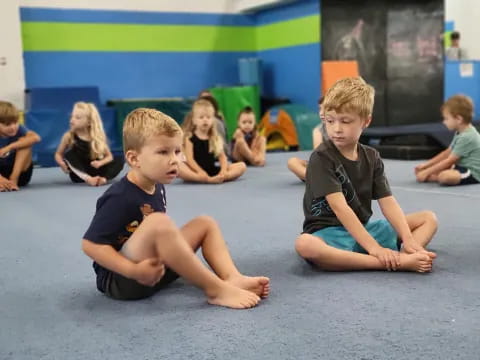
<point x="232" y="100"/>
<point x="175" y="108"/>
<point x="335" y="70"/>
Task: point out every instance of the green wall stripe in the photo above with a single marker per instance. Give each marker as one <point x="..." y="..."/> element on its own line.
<point x="300" y="31"/>
<point x="58" y="36"/>
<point x="54" y="36"/>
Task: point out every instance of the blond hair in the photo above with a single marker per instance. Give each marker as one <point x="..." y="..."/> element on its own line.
<point x="460" y="105"/>
<point x="98" y="139"/>
<point x="8" y="113"/>
<point x="350" y="95"/>
<point x="215" y="142"/>
<point x="142" y="124"/>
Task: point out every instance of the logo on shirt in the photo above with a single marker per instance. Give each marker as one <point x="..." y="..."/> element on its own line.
<point x="320" y="206"/>
<point x="145" y="209"/>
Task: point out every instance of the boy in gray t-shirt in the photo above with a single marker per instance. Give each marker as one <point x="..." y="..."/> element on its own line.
<point x="343" y="176"/>
<point x="459" y="164"/>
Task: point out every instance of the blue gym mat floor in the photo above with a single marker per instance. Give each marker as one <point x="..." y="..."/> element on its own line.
<point x="50" y="308"/>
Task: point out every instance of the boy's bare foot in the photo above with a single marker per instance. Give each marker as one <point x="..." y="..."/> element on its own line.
<point x="419" y="262"/>
<point x="259" y="285"/>
<point x="233" y="297"/>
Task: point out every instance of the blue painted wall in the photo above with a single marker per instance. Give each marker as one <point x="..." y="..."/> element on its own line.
<point x="292" y="72"/>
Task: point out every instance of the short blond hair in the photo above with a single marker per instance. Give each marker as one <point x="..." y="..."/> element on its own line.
<point x="142" y="124"/>
<point x="460" y="105"/>
<point x="8" y="113"/>
<point x="350" y="95"/>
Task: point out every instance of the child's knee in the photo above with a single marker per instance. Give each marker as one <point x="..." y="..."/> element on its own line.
<point x="160" y="222"/>
<point x="242" y="166"/>
<point x="292" y="162"/>
<point x="303" y="245"/>
<point x="206" y="220"/>
<point x="430" y="218"/>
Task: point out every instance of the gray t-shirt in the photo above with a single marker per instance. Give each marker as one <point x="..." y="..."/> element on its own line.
<point x="329" y="172"/>
<point x="466" y="145"/>
<point x="455" y="53"/>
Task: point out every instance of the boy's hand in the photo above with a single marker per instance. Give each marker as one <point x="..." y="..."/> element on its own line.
<point x="389" y="258"/>
<point x="149" y="272"/>
<point x="4" y="151"/>
<point x="420" y="167"/>
<point x="422" y="176"/>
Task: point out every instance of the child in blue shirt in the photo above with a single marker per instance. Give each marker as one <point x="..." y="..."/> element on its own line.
<point x="16" y="143"/>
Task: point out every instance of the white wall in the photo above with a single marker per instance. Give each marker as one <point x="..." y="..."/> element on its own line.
<point x="12" y="78"/>
<point x="466" y="15"/>
<point x="194" y="6"/>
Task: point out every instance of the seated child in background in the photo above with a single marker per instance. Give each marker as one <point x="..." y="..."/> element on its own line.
<point x="83" y="152"/>
<point x="203" y="147"/>
<point x="247" y="144"/>
<point x="343" y="176"/>
<point x="459" y="164"/>
<point x="137" y="249"/>
<point x="16" y="143"/>
<point x="299" y="166"/>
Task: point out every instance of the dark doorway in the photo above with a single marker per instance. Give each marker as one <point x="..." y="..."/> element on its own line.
<point x="398" y="47"/>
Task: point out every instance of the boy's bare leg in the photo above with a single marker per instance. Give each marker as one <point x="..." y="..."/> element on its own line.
<point x="203" y="232"/>
<point x="235" y="170"/>
<point x="186" y="173"/>
<point x="158" y="237"/>
<point x="423" y="226"/>
<point x="298" y="167"/>
<point x="449" y="177"/>
<point x="328" y="258"/>
<point x="23" y="159"/>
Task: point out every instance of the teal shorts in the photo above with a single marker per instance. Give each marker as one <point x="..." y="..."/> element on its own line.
<point x="381" y="230"/>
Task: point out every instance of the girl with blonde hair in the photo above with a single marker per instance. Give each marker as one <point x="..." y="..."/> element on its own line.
<point x="83" y="152"/>
<point x="203" y="148"/>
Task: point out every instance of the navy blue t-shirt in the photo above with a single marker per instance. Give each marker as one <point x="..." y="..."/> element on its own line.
<point x="9" y="159"/>
<point x="119" y="212"/>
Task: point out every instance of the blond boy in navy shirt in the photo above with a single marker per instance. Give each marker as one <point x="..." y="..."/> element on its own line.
<point x="137" y="249"/>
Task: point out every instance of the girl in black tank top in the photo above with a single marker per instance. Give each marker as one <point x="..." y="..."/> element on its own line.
<point x="206" y="161"/>
<point x="83" y="152"/>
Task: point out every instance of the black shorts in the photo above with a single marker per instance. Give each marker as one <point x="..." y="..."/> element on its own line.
<point x="25" y="177"/>
<point x="121" y="288"/>
<point x="466" y="177"/>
